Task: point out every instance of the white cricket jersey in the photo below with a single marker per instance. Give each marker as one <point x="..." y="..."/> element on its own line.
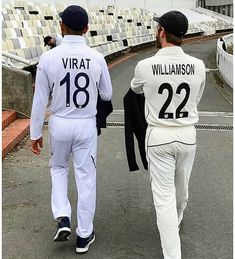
<point x="173" y="83"/>
<point x="58" y="41"/>
<point x="73" y="73"/>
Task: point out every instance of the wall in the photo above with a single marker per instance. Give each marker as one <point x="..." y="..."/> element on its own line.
<point x="17" y="91"/>
<point x="225" y="62"/>
<point x="148" y="4"/>
<point x="224" y="7"/>
<point x="218" y="2"/>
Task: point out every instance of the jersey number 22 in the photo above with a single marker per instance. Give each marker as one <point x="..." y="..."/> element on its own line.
<point x="178" y="113"/>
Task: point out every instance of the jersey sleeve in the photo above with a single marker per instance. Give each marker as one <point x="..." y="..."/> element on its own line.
<point x="105" y="85"/>
<point x="137" y="82"/>
<point x="40" y="100"/>
<point x="202" y="87"/>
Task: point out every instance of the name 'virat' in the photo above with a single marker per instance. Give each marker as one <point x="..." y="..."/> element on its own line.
<point x="74" y="63"/>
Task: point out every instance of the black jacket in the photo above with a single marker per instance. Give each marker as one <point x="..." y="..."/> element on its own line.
<point x="104" y="108"/>
<point x="135" y="123"/>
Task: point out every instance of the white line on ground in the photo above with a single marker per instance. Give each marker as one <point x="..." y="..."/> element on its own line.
<point x="211" y="69"/>
<point x="201" y="113"/>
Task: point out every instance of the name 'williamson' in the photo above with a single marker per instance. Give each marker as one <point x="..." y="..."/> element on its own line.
<point x="173" y="69"/>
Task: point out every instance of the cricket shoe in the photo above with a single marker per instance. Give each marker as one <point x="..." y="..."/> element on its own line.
<point x="83" y="244"/>
<point x="63" y="230"/>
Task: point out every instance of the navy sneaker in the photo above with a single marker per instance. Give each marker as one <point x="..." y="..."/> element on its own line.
<point x="84" y="243"/>
<point x="63" y="230"/>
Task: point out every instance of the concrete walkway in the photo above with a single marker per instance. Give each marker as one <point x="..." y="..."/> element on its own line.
<point x="125" y="222"/>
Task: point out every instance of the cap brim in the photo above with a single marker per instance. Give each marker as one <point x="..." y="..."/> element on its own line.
<point x="156" y="19"/>
<point x="60" y="14"/>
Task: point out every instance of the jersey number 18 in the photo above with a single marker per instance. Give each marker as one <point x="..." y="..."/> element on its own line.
<point x="66" y="80"/>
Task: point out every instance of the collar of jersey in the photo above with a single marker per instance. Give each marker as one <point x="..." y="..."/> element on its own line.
<point x="174" y="50"/>
<point x="74" y="39"/>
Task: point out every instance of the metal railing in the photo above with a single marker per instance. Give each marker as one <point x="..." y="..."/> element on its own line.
<point x="20" y="62"/>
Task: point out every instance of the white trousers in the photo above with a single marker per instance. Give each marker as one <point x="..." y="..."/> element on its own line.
<point x="79" y="138"/>
<point x="170" y="167"/>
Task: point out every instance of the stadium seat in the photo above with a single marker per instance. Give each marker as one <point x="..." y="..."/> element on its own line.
<point x="37" y="40"/>
<point x="26" y="26"/>
<point x="39" y="30"/>
<point x="4" y="24"/>
<point x="10" y="45"/>
<point x="36" y="23"/>
<point x="52" y="29"/>
<point x="4" y="45"/>
<point x="57" y="29"/>
<point x="20" y="53"/>
<point x="16" y="43"/>
<point x="32" y="40"/>
<point x="46" y="31"/>
<point x="39" y="50"/>
<point x="27" y="54"/>
<point x="22" y="42"/>
<point x="27" y="42"/>
<point x="34" y="30"/>
<point x="10" y="32"/>
<point x="26" y="32"/>
<point x="4" y="11"/>
<point x="18" y="17"/>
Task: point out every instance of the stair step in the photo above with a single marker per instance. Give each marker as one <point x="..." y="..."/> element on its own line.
<point x="13" y="134"/>
<point x="7" y="118"/>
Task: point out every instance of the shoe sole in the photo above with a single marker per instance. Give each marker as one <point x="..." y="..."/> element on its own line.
<point x="62" y="235"/>
<point x="86" y="248"/>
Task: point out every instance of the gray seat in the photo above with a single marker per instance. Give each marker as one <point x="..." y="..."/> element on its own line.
<point x="43" y="23"/>
<point x="104" y="48"/>
<point x="6" y="17"/>
<point x="9" y="11"/>
<point x="18" y="32"/>
<point x="3" y="34"/>
<point x="22" y="12"/>
<point x="37" y="40"/>
<point x="39" y="30"/>
<point x="4" y="25"/>
<point x="52" y="30"/>
<point x="16" y="43"/>
<point x="27" y="53"/>
<point x="34" y="52"/>
<point x="26" y="16"/>
<point x="39" y="51"/>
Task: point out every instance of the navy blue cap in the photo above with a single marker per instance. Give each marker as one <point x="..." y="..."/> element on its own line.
<point x="173" y="22"/>
<point x="74" y="17"/>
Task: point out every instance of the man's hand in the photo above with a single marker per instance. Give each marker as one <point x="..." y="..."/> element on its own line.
<point x="35" y="144"/>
